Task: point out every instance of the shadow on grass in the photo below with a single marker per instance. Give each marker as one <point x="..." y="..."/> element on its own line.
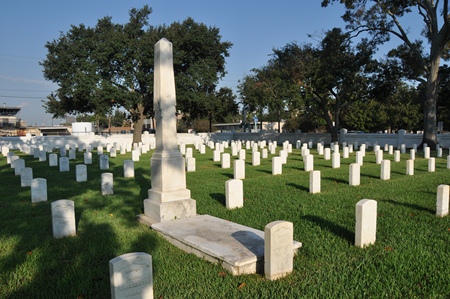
<point x="300" y="187"/>
<point x="229" y="175"/>
<point x="334" y="228"/>
<point x="409" y="205"/>
<point x="265" y="171"/>
<point x="341" y="181"/>
<point x="369" y="176"/>
<point x="220" y="197"/>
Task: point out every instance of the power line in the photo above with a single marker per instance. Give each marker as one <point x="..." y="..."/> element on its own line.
<point x="19" y="56"/>
<point x="20" y="97"/>
<point x="30" y="90"/>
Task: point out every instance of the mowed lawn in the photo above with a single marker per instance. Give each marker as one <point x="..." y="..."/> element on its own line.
<point x="410" y="258"/>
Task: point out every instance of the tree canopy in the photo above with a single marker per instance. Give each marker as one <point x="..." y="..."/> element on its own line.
<point x="383" y="19"/>
<point x="111" y="65"/>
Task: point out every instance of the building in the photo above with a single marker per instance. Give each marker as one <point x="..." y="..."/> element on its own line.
<point x="10" y="123"/>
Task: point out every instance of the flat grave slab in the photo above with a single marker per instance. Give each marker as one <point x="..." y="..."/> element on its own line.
<point x="238" y="248"/>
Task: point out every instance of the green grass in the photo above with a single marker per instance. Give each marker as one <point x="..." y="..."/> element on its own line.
<point x="408" y="260"/>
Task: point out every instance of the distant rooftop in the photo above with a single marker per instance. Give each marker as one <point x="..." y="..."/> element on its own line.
<point x="9" y="111"/>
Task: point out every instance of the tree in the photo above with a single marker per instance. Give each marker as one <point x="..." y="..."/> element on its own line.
<point x="382" y="20"/>
<point x="111" y="65"/>
<point x="330" y="76"/>
<point x="270" y="90"/>
<point x="100" y="68"/>
<point x="199" y="63"/>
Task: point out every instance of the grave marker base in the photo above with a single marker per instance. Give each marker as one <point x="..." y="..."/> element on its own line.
<point x="238" y="248"/>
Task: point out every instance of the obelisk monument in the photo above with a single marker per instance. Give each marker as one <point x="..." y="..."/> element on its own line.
<point x="168" y="199"/>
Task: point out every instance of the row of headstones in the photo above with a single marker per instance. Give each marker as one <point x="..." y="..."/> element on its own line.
<point x="40" y="151"/>
<point x="234" y="188"/>
<point x="278" y="250"/>
<point x="39" y="185"/>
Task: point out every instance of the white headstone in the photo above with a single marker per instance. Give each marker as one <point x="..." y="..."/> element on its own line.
<point x="63" y="218"/>
<point x="107" y="186"/>
<point x="38" y="190"/>
<point x="409" y="167"/>
<point x="26" y="176"/>
<point x="277" y="166"/>
<point x="391" y="149"/>
<point x="403" y="148"/>
<point x="9" y="155"/>
<point x="216" y="156"/>
<point x="314" y="181"/>
<point x="189" y="153"/>
<point x="234" y="194"/>
<point x="72" y="154"/>
<point x="53" y="160"/>
<point x="128" y="168"/>
<point x="64" y="164"/>
<point x="104" y="162"/>
<point x="256" y="158"/>
<point x="87" y="158"/>
<point x="336" y="160"/>
<point x="182" y="148"/>
<point x="442" y="200"/>
<point x="135" y="154"/>
<point x="412" y="154"/>
<point x="100" y="150"/>
<point x="426" y="152"/>
<point x="345" y="153"/>
<point x="42" y="156"/>
<point x="432" y="164"/>
<point x="264" y="153"/>
<point x="283" y="155"/>
<point x="19" y="165"/>
<point x="385" y="170"/>
<point x="242" y="154"/>
<point x="81" y="173"/>
<point x="12" y="159"/>
<point x="5" y="150"/>
<point x="278" y="249"/>
<point x="378" y="156"/>
<point x="190" y="164"/>
<point x="113" y="152"/>
<point x="131" y="276"/>
<point x="366" y="222"/>
<point x="327" y="154"/>
<point x="308" y="163"/>
<point x="239" y="169"/>
<point x="225" y="161"/>
<point x="62" y="151"/>
<point x="354" y="176"/>
<point x="359" y="158"/>
<point x="396" y="156"/>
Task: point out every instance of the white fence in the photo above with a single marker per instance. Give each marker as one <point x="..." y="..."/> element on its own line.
<point x="355" y="138"/>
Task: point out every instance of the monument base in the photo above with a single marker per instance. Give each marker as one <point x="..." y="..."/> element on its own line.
<point x="156" y="211"/>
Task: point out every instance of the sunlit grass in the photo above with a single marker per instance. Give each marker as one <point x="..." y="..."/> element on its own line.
<point x="408" y="260"/>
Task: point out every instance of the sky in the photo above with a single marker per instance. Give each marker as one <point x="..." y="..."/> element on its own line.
<point x="254" y="27"/>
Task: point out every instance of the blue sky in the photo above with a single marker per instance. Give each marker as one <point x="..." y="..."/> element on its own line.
<point x="254" y="28"/>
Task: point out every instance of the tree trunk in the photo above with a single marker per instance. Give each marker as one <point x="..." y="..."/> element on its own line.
<point x="210" y="122"/>
<point x="279" y="121"/>
<point x="429" y="106"/>
<point x="333" y="129"/>
<point x="139" y="124"/>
